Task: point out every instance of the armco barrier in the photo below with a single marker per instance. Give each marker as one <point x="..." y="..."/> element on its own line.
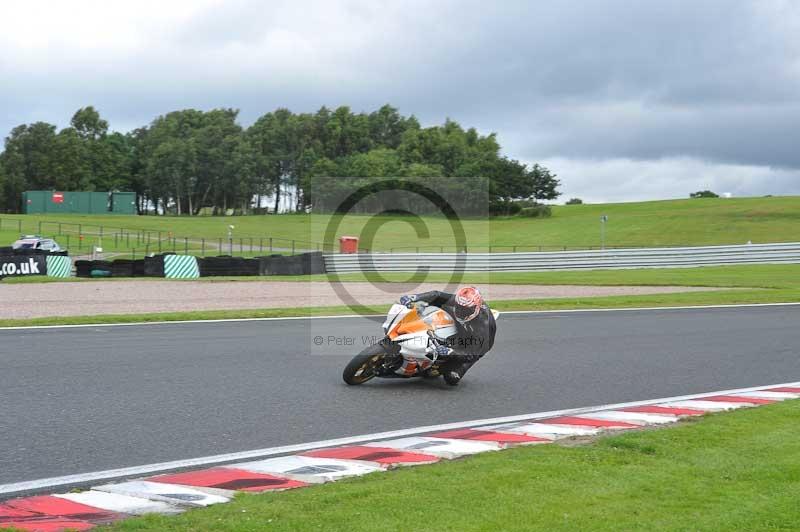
<point x="569" y="260"/>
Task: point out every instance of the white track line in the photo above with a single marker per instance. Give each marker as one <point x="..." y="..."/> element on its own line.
<point x="127" y="472"/>
<point x="352" y="316"/>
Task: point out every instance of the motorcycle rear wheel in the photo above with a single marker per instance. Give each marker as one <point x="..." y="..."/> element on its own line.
<point x="363" y="366"/>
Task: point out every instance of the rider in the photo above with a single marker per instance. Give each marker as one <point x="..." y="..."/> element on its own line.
<point x="475" y="329"/>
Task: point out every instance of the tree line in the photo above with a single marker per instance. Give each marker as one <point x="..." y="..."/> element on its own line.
<point x="190" y="161"/>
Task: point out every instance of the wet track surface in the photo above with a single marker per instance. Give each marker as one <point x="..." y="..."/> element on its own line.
<point x="85" y="399"/>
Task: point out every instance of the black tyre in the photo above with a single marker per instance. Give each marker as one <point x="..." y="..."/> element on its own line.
<point x="363" y="366"/>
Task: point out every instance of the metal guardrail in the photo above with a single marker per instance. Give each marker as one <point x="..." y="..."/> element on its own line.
<point x="569" y="260"/>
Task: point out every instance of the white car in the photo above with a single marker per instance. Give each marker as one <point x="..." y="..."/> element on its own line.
<point x="36" y="242"/>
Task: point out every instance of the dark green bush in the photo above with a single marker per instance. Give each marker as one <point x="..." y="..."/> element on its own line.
<point x="537" y="211"/>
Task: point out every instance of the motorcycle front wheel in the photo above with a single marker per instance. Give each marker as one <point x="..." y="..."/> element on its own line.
<point x="364" y="365"/>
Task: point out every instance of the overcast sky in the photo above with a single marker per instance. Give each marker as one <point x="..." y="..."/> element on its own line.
<point x="624" y="100"/>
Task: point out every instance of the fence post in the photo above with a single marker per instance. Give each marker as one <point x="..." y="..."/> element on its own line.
<point x="174" y="245"/>
<point x="251" y="244"/>
<point x="241" y="247"/>
<point x="186" y="245"/>
<point x="59" y="228"/>
<point x="202" y="247"/>
<point x="261" y="245"/>
<point x="292" y="247"/>
<point x="68" y="242"/>
<point x="115" y="241"/>
<point x="270" y="244"/>
<point x="40" y="227"/>
<point x="159" y="241"/>
<point x="19" y="226"/>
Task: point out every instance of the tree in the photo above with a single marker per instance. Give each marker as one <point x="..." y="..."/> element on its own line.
<point x="574" y="201"/>
<point x="72" y="162"/>
<point x="387" y="125"/>
<point x="88" y="124"/>
<point x="174" y="164"/>
<point x="544" y="183"/>
<point x="703" y="194"/>
<point x="188" y="160"/>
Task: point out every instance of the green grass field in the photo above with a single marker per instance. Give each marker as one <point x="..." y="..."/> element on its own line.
<point x="730" y="471"/>
<point x="654" y="223"/>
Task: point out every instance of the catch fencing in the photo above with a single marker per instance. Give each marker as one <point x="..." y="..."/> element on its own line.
<point x="569" y="260"/>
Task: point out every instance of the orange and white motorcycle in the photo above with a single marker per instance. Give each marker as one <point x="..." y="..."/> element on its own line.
<point x="408" y="349"/>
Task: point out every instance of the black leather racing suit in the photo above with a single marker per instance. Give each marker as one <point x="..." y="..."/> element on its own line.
<point x="472" y="339"/>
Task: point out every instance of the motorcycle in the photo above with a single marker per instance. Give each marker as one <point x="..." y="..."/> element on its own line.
<point x="408" y="349"/>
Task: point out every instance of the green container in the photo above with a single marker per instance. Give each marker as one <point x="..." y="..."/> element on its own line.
<point x="54" y="202"/>
<point x="123" y="202"/>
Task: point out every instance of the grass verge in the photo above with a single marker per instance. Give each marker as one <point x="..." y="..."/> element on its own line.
<point x="659" y="300"/>
<point x="731" y="471"/>
<point x="756" y="276"/>
<point x="768" y="283"/>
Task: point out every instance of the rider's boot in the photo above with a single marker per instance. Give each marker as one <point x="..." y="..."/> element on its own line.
<point x="454" y="372"/>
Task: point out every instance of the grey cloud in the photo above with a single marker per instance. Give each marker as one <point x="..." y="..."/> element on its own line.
<point x="717" y="81"/>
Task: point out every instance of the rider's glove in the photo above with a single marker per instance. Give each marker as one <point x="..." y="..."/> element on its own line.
<point x="408" y="301"/>
<point x="438" y="351"/>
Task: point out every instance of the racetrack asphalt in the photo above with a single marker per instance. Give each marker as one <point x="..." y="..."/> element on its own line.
<point x="77" y="400"/>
